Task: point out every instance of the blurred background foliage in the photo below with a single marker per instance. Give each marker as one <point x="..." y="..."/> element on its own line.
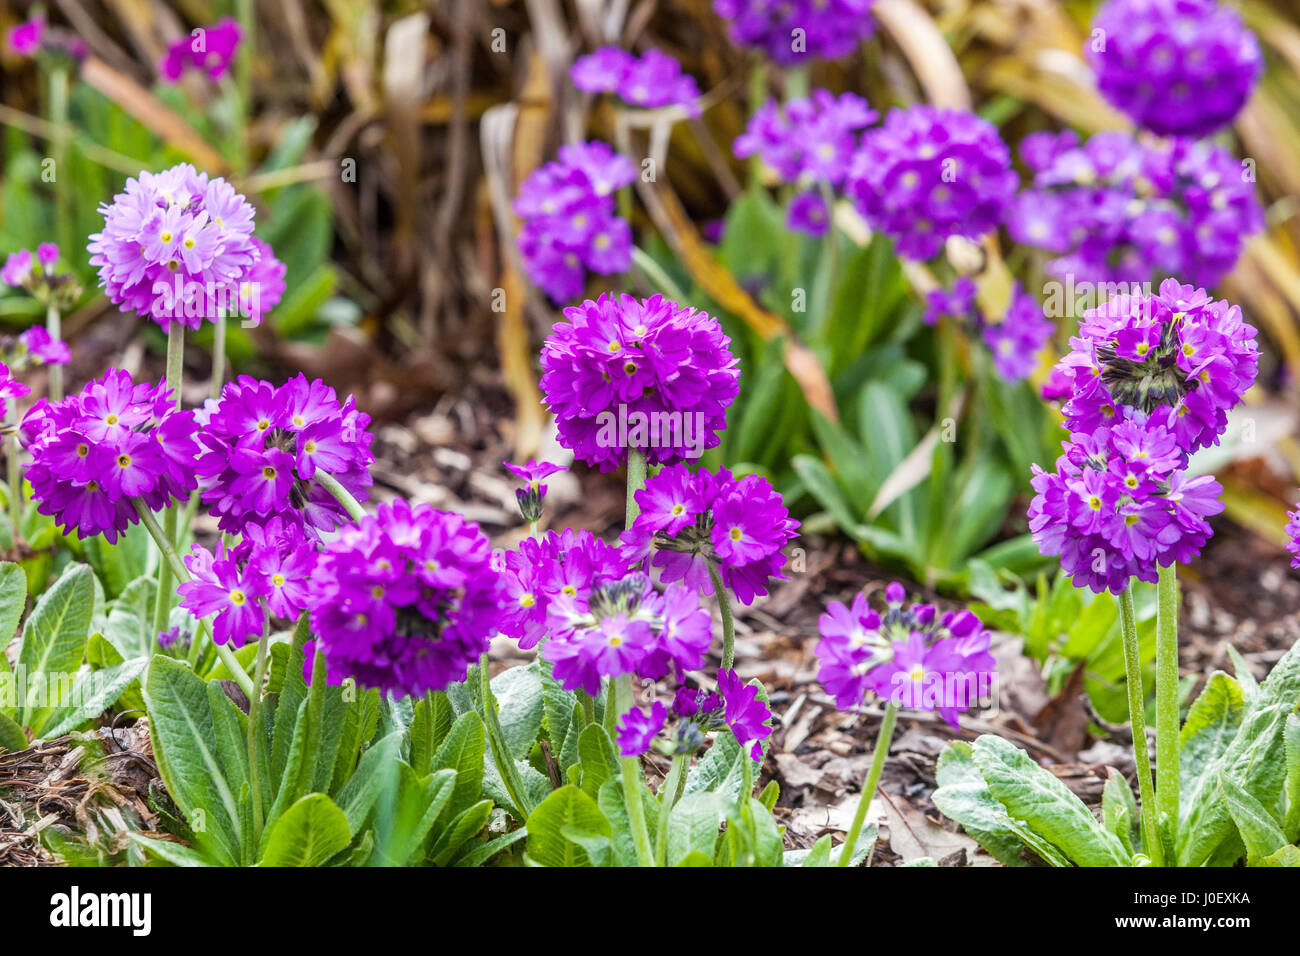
<point x="382" y="142"/>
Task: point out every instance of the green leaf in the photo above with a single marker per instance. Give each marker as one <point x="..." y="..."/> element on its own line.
<point x="963" y="796"/>
<point x="54" y="639"/>
<point x="429" y="726"/>
<point x="752" y="837"/>
<point x="518" y="692"/>
<point x="460" y="831"/>
<point x="12" y="736"/>
<point x="824" y="489"/>
<point x="464" y="751"/>
<point x="613" y="804"/>
<point x="819" y="854"/>
<point x="406" y="814"/>
<point x="597" y="757"/>
<point x="567" y="809"/>
<point x="1259" y="831"/>
<point x="1119" y="813"/>
<point x="1287" y="856"/>
<point x="13" y="601"/>
<point x="129" y="626"/>
<point x="1291" y="742"/>
<point x="307" y="834"/>
<point x="182" y="730"/>
<point x="95" y="692"/>
<point x="118" y="565"/>
<point x="480" y="855"/>
<point x="375" y="772"/>
<point x="693" y="825"/>
<point x="1047" y="806"/>
<point x="166" y="851"/>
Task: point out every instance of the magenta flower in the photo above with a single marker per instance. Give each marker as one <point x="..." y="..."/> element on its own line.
<point x="648" y="374"/>
<point x="691" y="520"/>
<point x="17" y="269"/>
<point x="1293" y="536"/>
<point x="262" y="444"/>
<point x="928" y="173"/>
<point x="95" y="451"/>
<point x="207" y="49"/>
<point x="796" y="31"/>
<point x="744" y="714"/>
<point x="1177" y="67"/>
<point x="263" y="285"/>
<point x="405" y="600"/>
<point x="636" y="729"/>
<point x="177" y="246"/>
<point x="25" y="38"/>
<point x="532" y="474"/>
<point x="654" y="80"/>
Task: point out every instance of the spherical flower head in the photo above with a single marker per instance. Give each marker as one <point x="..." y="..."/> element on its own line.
<point x="1293" y="536"/>
<point x="94" y="453"/>
<point x="262" y="446"/>
<point x="745" y="715"/>
<point x="1177" y="357"/>
<point x="176" y="247"/>
<point x="653" y="80"/>
<point x="646" y="374"/>
<point x="928" y="173"/>
<point x="691" y="521"/>
<point x="570" y="225"/>
<point x="207" y="49"/>
<point x="530" y="497"/>
<point x="405" y="600"/>
<point x="10" y="389"/>
<point x="568" y="563"/>
<point x="807" y="140"/>
<point x="796" y="31"/>
<point x="1176" y="67"/>
<point x="1120" y="206"/>
<point x="263" y="285"/>
<point x="637" y="729"/>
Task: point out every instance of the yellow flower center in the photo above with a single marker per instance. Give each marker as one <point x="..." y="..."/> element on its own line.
<point x="237" y="597"/>
<point x="734" y="534"/>
<point x="268" y="473"/>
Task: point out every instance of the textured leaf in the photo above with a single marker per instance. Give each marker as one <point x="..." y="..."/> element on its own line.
<point x="693" y="825"/>
<point x="464" y="751"/>
<point x="518" y="692"/>
<point x="95" y="692"/>
<point x="1259" y="831"/>
<point x="375" y="772"/>
<point x="13" y="601"/>
<point x="307" y="834"/>
<point x="597" y="757"/>
<point x="54" y="639"/>
<point x="567" y="809"/>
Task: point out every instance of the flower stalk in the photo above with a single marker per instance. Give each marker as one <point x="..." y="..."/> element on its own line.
<point x="884" y="737"/>
<point x="1137" y="718"/>
<point x="728" y="622"/>
<point x="1167" y="730"/>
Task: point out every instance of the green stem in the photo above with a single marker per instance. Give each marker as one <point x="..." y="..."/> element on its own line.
<point x="218" y="356"/>
<point x="254" y="735"/>
<point x="341" y="495"/>
<point x="59" y="148"/>
<point x="635" y="482"/>
<point x="1138" y="722"/>
<point x="173" y="559"/>
<point x="175" y="359"/>
<point x="667" y="800"/>
<point x="633" y="777"/>
<point x="656" y="276"/>
<point x="728" y="623"/>
<point x="884" y="737"/>
<point x="1167" y="736"/>
<point x="54" y="325"/>
<point x="514" y="784"/>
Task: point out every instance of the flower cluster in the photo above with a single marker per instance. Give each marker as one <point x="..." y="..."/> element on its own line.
<point x="37" y="347"/>
<point x="406" y="599"/>
<point x="263" y="287"/>
<point x="624" y="626"/>
<point x="928" y="173"/>
<point x="652" y="81"/>
<point x="623" y="373"/>
<point x="569" y="217"/>
<point x="1014" y="339"/>
<point x="530" y="497"/>
<point x="795" y="31"/>
<point x="694" y="522"/>
<point x="37" y="276"/>
<point x="735" y="706"/>
<point x="262" y="445"/>
<point x="209" y="50"/>
<point x="560" y="563"/>
<point x="1119" y="208"/>
<point x="911" y="656"/>
<point x="1176" y="67"/>
<point x="35" y="37"/>
<point x="809" y="142"/>
<point x="176" y="246"/>
<point x="268" y="574"/>
<point x="1178" y="357"/>
<point x="115" y="441"/>
<point x="10" y="389"/>
<point x="1119" y="504"/>
<point x="1293" y="536"/>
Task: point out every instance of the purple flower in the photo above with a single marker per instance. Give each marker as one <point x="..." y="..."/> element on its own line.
<point x="911" y="656"/>
<point x="648" y="374"/>
<point x="568" y="563"/>
<point x="25" y="38"/>
<point x="174" y="637"/>
<point x="1018" y="338"/>
<point x="636" y="729"/>
<point x="92" y="453"/>
<point x="569" y="217"/>
<point x="405" y="600"/>
<point x="10" y="389"/>
<point x="176" y="246"/>
<point x="622" y="626"/>
<point x="796" y="31"/>
<point x="207" y="49"/>
<point x="809" y="214"/>
<point x="530" y="497"/>
<point x="929" y="173"/>
<point x="1293" y="536"/>
<point x="1177" y="67"/>
<point x="263" y="285"/>
<point x="1177" y="357"/>
<point x="17" y="269"/>
<point x="47" y="253"/>
<point x="745" y="715"/>
<point x="1119" y="208"/>
<point x="262" y="445"/>
<point x="654" y="80"/>
<point x="691" y="520"/>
